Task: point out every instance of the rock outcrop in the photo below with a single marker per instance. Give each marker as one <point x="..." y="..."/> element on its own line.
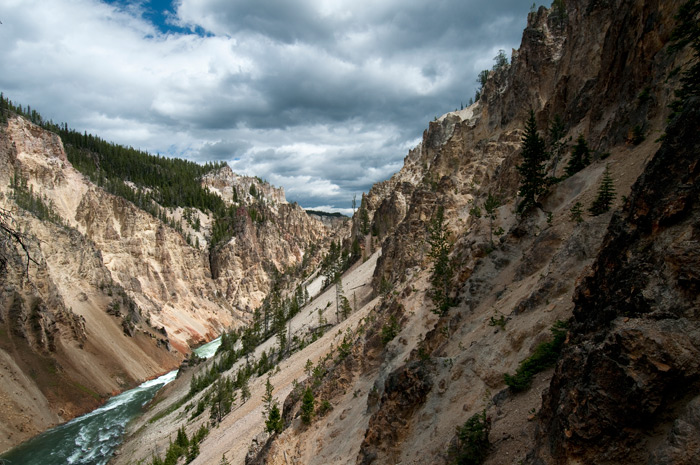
<point x="271" y="236"/>
<point x="626" y="389"/>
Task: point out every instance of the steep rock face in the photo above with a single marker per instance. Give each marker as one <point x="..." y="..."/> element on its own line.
<point x="602" y="70"/>
<point x="332" y="222"/>
<point x="169" y="281"/>
<point x="270" y="236"/>
<point x="626" y="388"/>
<point x="589" y="67"/>
<point x="405" y="390"/>
<point x="413" y="376"/>
<point x="225" y="181"/>
<point x="115" y="293"/>
<point x="72" y="335"/>
<point x="62" y="353"/>
<point x="511" y="285"/>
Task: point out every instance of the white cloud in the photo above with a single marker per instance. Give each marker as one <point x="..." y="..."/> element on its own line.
<point x="321" y="97"/>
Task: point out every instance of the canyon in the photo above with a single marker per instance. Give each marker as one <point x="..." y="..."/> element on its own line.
<point x="393" y="378"/>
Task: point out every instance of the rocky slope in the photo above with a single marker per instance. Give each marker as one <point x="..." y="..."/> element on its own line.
<point x="603" y="68"/>
<point x="394" y="380"/>
<point x="626" y="388"/>
<point x="113" y="291"/>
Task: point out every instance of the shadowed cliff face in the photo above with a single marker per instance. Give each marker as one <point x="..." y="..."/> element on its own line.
<point x="626" y="389"/>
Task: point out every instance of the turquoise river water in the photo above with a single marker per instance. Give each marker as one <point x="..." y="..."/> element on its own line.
<point x="92" y="438"/>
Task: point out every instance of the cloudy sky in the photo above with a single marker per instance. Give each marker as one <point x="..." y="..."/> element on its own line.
<point x="322" y="97"/>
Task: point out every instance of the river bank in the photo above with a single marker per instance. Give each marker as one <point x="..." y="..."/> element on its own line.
<point x="91" y="439"/>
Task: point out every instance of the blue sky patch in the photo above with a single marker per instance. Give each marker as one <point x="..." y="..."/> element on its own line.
<point x="157" y="12"/>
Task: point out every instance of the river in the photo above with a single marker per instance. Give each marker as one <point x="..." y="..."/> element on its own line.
<point x="92" y="438"/>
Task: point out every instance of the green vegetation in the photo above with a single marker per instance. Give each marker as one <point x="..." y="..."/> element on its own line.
<point x="307" y="406"/>
<point x="345" y="346"/>
<point x="364" y="220"/>
<point x="327" y="214"/>
<point x="273" y="417"/>
<point x="25" y="198"/>
<point x="644" y="95"/>
<point x="182" y="447"/>
<point x="544" y="356"/>
<point x="482" y="78"/>
<point x="637" y="135"/>
<point x="576" y="213"/>
<point x="274" y="423"/>
<point x="580" y="157"/>
<point x="165" y="412"/>
<point x="442" y="271"/>
<point x="390" y="330"/>
<point x="501" y="60"/>
<point x="490" y="206"/>
<point x="531" y="170"/>
<point x="222" y="399"/>
<point x="606" y="194"/>
<point x="336" y="262"/>
<point x="268" y="320"/>
<point x="556" y="143"/>
<point x="558" y="13"/>
<point x="473" y="440"/>
<point x="687" y="32"/>
<point x="324" y="408"/>
<point x="152" y="182"/>
<point x="500" y="321"/>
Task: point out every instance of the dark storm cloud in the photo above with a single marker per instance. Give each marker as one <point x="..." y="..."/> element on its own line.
<point x="223" y="150"/>
<point x="323" y="98"/>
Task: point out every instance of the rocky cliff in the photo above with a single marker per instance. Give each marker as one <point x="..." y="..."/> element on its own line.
<point x="626" y="388"/>
<point x="271" y="237"/>
<point x="110" y="290"/>
<point x="605" y="69"/>
<point x="394" y="380"/>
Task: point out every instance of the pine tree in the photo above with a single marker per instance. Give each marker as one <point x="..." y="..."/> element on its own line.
<point x="364" y="220"/>
<point x="181" y="439"/>
<point x="193" y="451"/>
<point x="274" y="423"/>
<point x="577" y="213"/>
<point x="687" y="32"/>
<point x="245" y="390"/>
<point x="580" y="157"/>
<point x="558" y="13"/>
<point x="557" y="131"/>
<point x="222" y="399"/>
<point x="307" y="406"/>
<point x="267" y="398"/>
<point x="442" y="268"/>
<point x="532" y="183"/>
<point x="339" y="296"/>
<point x="606" y="194"/>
